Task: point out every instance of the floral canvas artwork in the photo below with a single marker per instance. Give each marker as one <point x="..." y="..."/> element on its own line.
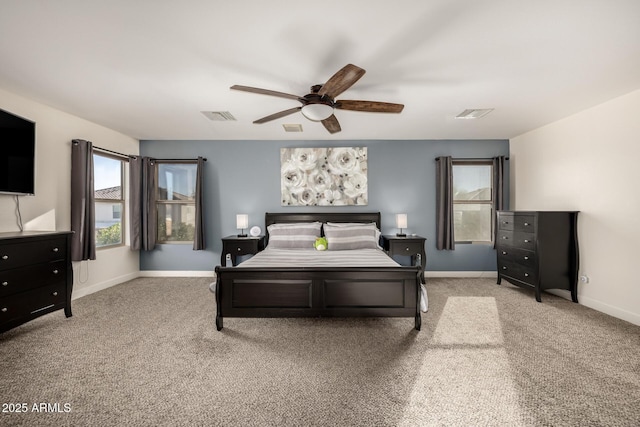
<point x="335" y="176"/>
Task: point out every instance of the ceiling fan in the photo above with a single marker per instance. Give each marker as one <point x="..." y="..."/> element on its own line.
<point x="319" y="104"/>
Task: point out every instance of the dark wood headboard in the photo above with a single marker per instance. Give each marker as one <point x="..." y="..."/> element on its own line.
<point x="284" y="217"/>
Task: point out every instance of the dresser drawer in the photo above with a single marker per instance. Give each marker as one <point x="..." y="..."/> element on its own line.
<point x="505" y="221"/>
<point x="524" y="223"/>
<point x="516" y="239"/>
<point x="25" y="278"/>
<point x="519" y="272"/>
<point x="410" y="248"/>
<point x="31" y="302"/>
<point x="517" y="222"/>
<point x="28" y="253"/>
<point x="517" y="256"/>
<point x="242" y="247"/>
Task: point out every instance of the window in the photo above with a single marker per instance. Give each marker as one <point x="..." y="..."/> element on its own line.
<point x="176" y="201"/>
<point x="473" y="201"/>
<point x="109" y="200"/>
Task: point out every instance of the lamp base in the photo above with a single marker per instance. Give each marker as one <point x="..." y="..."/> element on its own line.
<point x="242" y="235"/>
<point x="401" y="235"/>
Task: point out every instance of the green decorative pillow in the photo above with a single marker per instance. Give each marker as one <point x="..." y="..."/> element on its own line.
<point x="320" y="244"/>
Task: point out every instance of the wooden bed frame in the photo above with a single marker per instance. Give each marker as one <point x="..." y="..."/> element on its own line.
<point x="318" y="291"/>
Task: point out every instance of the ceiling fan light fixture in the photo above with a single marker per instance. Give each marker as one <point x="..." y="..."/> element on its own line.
<point x="317" y="112"/>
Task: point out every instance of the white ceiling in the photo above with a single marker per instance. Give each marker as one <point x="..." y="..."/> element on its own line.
<point x="147" y="68"/>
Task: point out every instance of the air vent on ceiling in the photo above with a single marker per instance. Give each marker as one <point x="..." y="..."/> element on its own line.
<point x="474" y="113"/>
<point x="219" y="116"/>
<point x="292" y="127"/>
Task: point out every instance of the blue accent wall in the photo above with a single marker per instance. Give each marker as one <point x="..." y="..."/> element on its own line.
<point x="244" y="177"/>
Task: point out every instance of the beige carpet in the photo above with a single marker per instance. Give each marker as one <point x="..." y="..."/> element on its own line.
<point x="147" y="353"/>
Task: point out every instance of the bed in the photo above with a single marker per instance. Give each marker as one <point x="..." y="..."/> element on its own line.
<point x="289" y="281"/>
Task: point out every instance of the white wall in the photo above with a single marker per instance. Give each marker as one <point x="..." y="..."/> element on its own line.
<point x="49" y="209"/>
<point x="590" y="162"/>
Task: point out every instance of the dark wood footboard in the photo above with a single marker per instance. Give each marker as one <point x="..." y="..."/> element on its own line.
<point x="318" y="292"/>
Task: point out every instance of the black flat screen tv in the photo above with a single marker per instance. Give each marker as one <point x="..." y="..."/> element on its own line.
<point x="17" y="154"/>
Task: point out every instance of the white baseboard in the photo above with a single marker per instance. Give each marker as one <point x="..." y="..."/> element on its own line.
<point x="81" y="292"/>
<point x="171" y="273"/>
<point x="600" y="306"/>
<point x="463" y="274"/>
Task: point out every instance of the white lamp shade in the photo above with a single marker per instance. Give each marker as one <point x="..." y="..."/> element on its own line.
<point x="401" y="220"/>
<point x="242" y="221"/>
<point x="317" y="112"/>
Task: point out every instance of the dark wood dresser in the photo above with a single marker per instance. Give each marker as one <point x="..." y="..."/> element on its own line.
<point x="36" y="276"/>
<point x="538" y="250"/>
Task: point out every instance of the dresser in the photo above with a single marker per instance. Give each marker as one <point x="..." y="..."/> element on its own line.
<point x="538" y="250"/>
<point x="36" y="276"/>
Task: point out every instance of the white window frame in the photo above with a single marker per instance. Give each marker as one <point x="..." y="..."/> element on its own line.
<point x="168" y="202"/>
<point x="490" y="203"/>
<point x="120" y="201"/>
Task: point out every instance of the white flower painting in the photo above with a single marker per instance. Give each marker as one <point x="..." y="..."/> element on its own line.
<point x="334" y="176"/>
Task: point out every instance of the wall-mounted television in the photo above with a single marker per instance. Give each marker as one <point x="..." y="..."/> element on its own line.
<point x="17" y="154"/>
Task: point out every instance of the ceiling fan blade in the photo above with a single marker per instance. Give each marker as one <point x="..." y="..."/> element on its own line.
<point x="369" y="106"/>
<point x="278" y="115"/>
<point x="331" y="123"/>
<point x="341" y="81"/>
<point x="266" y="92"/>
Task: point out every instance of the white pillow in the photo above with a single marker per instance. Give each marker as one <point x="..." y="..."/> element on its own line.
<point x="299" y="235"/>
<point x="353" y="236"/>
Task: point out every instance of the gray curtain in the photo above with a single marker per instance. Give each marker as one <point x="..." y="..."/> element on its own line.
<point x="135" y="202"/>
<point x="83" y="240"/>
<point x="149" y="214"/>
<point x="198" y="240"/>
<point x="444" y="204"/>
<point x="498" y="189"/>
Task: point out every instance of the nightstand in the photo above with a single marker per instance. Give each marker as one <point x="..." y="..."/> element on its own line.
<point x="236" y="246"/>
<point x="408" y="246"/>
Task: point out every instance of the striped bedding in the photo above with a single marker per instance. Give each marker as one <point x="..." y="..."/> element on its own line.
<point x="271" y="257"/>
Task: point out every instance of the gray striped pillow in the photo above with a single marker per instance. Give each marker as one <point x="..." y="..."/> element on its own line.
<point x="340" y="237"/>
<point x="294" y="235"/>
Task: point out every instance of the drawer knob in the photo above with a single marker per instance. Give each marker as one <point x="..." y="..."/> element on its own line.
<point x="504" y="268"/>
<point x="526" y="224"/>
<point x="55" y="249"/>
<point x="526" y="257"/>
<point x="5" y="283"/>
<point x="406" y="249"/>
<point x="526" y="241"/>
<point x="504" y="237"/>
<point x="5" y="256"/>
<point x="4" y="309"/>
<point x="55" y="294"/>
<point x="505" y="222"/>
<point x="504" y="252"/>
<point x="55" y="271"/>
<point x="239" y="249"/>
<point x="526" y="274"/>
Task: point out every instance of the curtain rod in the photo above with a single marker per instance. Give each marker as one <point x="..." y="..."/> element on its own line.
<point x="127" y="156"/>
<point x="178" y="160"/>
<point x="470" y="158"/>
<point x="134" y="156"/>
